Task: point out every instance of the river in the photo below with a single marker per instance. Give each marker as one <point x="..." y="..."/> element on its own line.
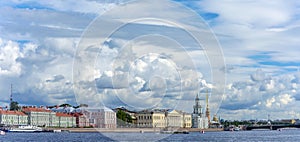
<point x="285" y="135"/>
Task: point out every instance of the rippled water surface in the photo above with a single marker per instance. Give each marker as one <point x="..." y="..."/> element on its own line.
<point x="285" y="135"/>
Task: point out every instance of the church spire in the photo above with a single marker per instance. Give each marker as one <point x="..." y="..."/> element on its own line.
<point x="207" y="108"/>
<point x="197" y="100"/>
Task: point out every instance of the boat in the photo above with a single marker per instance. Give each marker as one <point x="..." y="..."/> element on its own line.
<point x="181" y="132"/>
<point x="174" y="132"/>
<point x="2" y="132"/>
<point x="57" y="131"/>
<point x="236" y="129"/>
<point x="167" y="130"/>
<point x="26" y="128"/>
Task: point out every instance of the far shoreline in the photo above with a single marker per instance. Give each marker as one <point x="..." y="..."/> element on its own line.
<point x="131" y="130"/>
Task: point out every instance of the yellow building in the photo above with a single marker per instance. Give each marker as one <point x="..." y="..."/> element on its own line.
<point x="151" y="119"/>
<point x="163" y="119"/>
<point x="289" y="121"/>
<point x="187" y="120"/>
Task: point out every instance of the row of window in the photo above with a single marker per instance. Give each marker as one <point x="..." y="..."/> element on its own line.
<point x="150" y="117"/>
<point x="145" y="124"/>
<point x="161" y="117"/>
<point x="145" y="117"/>
<point x="13" y="117"/>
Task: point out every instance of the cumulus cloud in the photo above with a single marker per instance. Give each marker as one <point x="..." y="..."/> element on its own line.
<point x="244" y="39"/>
<point x="152" y="76"/>
<point x="38" y="76"/>
<point x="38" y="43"/>
<point x="276" y="94"/>
<point x="9" y="53"/>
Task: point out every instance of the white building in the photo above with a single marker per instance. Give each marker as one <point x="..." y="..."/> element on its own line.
<point x="101" y="117"/>
<point x="174" y="118"/>
<point x="39" y="116"/>
<point x="198" y="120"/>
<point x="65" y="120"/>
<point x="13" y="118"/>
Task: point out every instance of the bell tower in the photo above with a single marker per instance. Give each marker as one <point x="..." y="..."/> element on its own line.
<point x="197" y="106"/>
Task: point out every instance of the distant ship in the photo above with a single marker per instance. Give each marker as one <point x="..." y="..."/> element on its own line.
<point x="26" y="128"/>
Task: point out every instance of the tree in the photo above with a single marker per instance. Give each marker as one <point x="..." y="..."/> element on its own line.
<point x="14" y="106"/>
<point x="83" y="105"/>
<point x="65" y="105"/>
<point x="123" y="118"/>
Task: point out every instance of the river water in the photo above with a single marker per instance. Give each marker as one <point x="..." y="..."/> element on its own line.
<point x="285" y="135"/>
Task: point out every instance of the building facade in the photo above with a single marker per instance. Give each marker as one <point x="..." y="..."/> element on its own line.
<point x="81" y="120"/>
<point x="13" y="118"/>
<point x="198" y="120"/>
<point x="187" y="120"/>
<point x="174" y="118"/>
<point x="40" y="116"/>
<point x="101" y="117"/>
<point x="163" y="119"/>
<point x="151" y="119"/>
<point x="65" y="120"/>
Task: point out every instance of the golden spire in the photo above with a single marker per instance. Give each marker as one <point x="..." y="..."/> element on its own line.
<point x="207" y="108"/>
<point x="206" y="99"/>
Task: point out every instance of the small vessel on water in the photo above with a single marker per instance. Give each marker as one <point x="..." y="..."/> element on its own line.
<point x="236" y="129"/>
<point x="57" y="131"/>
<point x="2" y="132"/>
<point x="25" y="128"/>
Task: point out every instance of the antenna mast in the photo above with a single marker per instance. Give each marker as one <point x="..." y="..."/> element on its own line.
<point x="11" y="93"/>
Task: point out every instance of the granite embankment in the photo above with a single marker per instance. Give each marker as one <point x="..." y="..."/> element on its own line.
<point x="128" y="130"/>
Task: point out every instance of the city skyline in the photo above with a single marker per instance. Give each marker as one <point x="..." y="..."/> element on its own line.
<point x="39" y="40"/>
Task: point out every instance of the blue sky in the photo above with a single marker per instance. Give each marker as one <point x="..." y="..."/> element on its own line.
<point x="40" y="40"/>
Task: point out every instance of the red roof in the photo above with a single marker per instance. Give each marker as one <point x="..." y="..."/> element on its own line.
<point x="63" y="114"/>
<point x="31" y="109"/>
<point x="76" y="114"/>
<point x="7" y="112"/>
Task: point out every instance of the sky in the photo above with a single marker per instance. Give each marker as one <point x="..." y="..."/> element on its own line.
<point x="154" y="54"/>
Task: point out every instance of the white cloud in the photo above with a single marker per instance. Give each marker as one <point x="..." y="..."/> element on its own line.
<point x="285" y="99"/>
<point x="275" y="94"/>
<point x="9" y="54"/>
<point x="248" y="38"/>
<point x="270" y="102"/>
<point x="40" y="75"/>
<point x="276" y="12"/>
